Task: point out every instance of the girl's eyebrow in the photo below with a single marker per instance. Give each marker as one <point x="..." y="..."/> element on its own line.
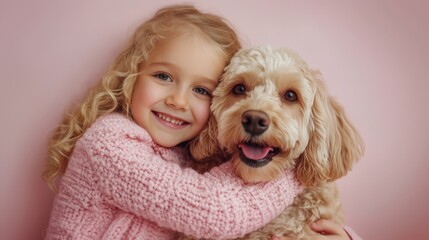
<point x="164" y="64"/>
<point x="213" y="82"/>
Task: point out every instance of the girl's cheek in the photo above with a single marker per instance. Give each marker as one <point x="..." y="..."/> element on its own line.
<point x="203" y="111"/>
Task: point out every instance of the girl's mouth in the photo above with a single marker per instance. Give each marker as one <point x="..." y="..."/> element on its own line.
<point x="170" y="120"/>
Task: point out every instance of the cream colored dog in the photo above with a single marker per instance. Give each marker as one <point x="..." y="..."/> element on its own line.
<point x="271" y="112"/>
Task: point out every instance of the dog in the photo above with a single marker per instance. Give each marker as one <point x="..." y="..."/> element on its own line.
<point x="272" y="112"/>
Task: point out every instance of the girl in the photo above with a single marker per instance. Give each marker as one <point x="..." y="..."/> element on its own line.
<point x="122" y="178"/>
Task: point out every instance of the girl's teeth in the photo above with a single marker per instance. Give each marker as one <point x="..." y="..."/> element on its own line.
<point x="167" y="119"/>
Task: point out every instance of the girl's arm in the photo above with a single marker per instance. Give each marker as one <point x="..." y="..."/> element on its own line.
<point x="213" y="205"/>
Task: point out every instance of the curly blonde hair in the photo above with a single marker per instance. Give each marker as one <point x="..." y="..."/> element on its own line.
<point x="113" y="93"/>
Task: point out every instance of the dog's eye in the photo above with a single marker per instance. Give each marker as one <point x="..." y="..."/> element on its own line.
<point x="239" y="89"/>
<point x="290" y="96"/>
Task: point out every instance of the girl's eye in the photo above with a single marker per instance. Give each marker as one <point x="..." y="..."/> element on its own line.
<point x="201" y="91"/>
<point x="291" y="96"/>
<point x="163" y="76"/>
<point x="239" y="89"/>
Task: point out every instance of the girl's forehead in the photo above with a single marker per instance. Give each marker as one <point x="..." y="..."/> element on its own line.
<point x="192" y="45"/>
<point x="187" y="56"/>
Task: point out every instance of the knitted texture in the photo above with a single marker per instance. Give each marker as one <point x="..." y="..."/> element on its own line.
<point x="119" y="184"/>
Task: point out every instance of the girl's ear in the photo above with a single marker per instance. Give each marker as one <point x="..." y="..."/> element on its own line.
<point x="205" y="144"/>
<point x="334" y="143"/>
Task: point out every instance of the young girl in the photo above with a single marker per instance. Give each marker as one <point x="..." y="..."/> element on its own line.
<point x="121" y="170"/>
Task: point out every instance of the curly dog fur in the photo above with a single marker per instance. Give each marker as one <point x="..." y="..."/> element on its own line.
<point x="272" y="112"/>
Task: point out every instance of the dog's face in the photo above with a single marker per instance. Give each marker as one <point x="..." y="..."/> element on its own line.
<point x="270" y="112"/>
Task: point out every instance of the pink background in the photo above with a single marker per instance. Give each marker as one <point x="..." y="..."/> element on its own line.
<point x="373" y="54"/>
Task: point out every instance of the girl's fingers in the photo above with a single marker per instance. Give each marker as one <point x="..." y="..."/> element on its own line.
<point x="327" y="227"/>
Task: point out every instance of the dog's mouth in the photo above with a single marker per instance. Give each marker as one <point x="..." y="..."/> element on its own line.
<point x="255" y="155"/>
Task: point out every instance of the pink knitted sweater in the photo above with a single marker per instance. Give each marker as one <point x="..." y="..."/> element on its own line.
<point x="119" y="184"/>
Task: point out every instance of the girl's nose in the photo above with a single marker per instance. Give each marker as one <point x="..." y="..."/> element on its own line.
<point x="178" y="99"/>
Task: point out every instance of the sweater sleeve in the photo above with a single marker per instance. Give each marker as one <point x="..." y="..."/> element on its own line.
<point x="217" y="204"/>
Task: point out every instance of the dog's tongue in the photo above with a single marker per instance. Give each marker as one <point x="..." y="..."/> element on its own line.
<point x="253" y="152"/>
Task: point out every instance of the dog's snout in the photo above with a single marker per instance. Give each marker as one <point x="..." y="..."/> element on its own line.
<point x="255" y="122"/>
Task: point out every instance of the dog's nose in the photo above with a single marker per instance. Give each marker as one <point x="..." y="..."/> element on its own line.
<point x="255" y="122"/>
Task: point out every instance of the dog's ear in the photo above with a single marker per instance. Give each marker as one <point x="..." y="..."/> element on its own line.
<point x="334" y="143"/>
<point x="205" y="144"/>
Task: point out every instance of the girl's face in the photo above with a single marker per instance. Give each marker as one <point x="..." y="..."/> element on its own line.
<point x="171" y="97"/>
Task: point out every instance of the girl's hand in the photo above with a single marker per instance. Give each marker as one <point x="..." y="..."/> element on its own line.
<point x="329" y="230"/>
<point x="324" y="229"/>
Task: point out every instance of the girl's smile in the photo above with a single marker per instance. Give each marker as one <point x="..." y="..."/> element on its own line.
<point x="170" y="121"/>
